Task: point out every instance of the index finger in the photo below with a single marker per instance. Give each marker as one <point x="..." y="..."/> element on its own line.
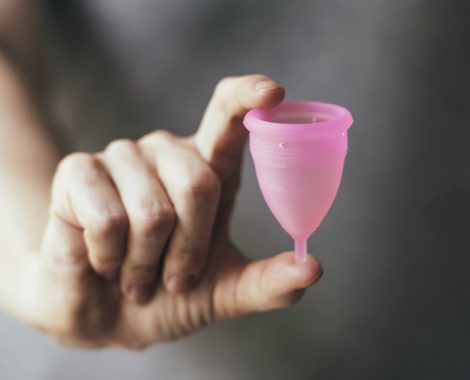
<point x="221" y="134"/>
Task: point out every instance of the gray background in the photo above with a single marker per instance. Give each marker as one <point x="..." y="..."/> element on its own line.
<point x="394" y="300"/>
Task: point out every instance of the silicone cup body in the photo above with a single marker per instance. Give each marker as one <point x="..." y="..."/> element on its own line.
<point x="298" y="149"/>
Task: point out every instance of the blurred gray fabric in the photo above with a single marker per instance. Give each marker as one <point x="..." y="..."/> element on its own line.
<point x="394" y="300"/>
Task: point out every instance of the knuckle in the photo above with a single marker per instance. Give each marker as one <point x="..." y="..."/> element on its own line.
<point x="157" y="137"/>
<point x="104" y="262"/>
<point x="163" y="135"/>
<point x="224" y="97"/>
<point x="222" y="85"/>
<point x="77" y="161"/>
<point x="140" y="272"/>
<point x="108" y="224"/>
<point x="205" y="186"/>
<point x="187" y="258"/>
<point x="119" y="146"/>
<point x="153" y="217"/>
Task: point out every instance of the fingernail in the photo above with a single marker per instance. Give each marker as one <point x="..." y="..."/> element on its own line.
<point x="139" y="292"/>
<point x="266" y="85"/>
<point x="181" y="283"/>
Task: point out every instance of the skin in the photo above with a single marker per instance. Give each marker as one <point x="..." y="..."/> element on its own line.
<point x="130" y="246"/>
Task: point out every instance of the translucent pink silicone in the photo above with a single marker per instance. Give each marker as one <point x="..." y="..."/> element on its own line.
<point x="299" y="149"/>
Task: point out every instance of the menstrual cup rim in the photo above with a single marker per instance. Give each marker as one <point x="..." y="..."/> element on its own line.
<point x="341" y="121"/>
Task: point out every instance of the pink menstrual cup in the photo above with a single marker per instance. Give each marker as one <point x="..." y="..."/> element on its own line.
<point x="299" y="149"/>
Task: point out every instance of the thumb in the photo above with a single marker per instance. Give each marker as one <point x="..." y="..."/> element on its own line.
<point x="272" y="283"/>
<point x="221" y="133"/>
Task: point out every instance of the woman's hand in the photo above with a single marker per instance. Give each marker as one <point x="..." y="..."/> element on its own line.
<point x="137" y="247"/>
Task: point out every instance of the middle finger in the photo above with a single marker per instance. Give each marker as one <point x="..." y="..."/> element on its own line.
<point x="150" y="213"/>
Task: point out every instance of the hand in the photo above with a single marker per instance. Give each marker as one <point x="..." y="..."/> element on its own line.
<point x="137" y="246"/>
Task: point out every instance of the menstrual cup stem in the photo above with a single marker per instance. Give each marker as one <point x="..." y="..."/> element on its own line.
<point x="301" y="251"/>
